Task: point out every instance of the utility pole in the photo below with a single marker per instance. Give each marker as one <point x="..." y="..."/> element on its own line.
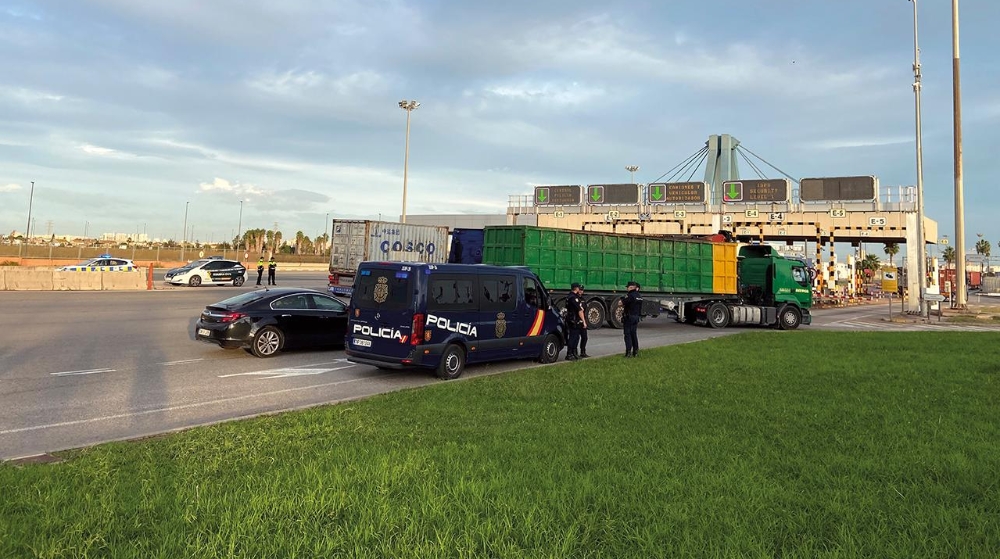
<point x="184" y="236"/>
<point x="27" y="228"/>
<point x="409" y="107"/>
<point x="921" y="243"/>
<point x="959" y="195"/>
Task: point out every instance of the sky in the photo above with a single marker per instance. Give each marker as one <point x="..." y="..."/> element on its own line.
<point x="126" y="113"/>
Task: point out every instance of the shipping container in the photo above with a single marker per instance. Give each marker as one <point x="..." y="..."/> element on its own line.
<point x="357" y="241"/>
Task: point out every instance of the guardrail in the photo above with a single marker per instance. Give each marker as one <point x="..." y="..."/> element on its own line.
<point x="17" y="278"/>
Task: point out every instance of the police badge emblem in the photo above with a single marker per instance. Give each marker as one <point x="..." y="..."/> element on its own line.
<point x="381" y="290"/>
<point x="501" y="325"/>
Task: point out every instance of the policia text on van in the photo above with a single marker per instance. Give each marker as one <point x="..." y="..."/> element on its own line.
<point x="441" y="316"/>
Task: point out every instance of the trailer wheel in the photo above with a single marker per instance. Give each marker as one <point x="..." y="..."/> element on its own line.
<point x="718" y="315"/>
<point x="595" y="314"/>
<point x="789" y="317"/>
<point x="616" y="318"/>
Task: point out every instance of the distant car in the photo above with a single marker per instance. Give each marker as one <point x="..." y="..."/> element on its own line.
<point x="212" y="271"/>
<point x="103" y="263"/>
<point x="266" y="321"/>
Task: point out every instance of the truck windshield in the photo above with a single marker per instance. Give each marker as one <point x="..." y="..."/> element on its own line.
<point x="383" y="288"/>
<point x="800" y="275"/>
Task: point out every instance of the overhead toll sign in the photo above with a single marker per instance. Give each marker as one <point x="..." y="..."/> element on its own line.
<point x="613" y="194"/>
<point x="558" y="195"/>
<point x="838" y="188"/>
<point x="756" y="190"/>
<point x="676" y="192"/>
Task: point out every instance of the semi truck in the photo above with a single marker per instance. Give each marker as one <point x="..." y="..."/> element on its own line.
<point x="360" y="240"/>
<point x="706" y="282"/>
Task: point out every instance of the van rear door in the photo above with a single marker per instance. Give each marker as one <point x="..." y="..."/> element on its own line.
<point x="381" y="313"/>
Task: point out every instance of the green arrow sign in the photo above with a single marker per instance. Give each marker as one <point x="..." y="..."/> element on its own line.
<point x="541" y="195"/>
<point x="595" y="195"/>
<point x="734" y="192"/>
<point x="657" y="193"/>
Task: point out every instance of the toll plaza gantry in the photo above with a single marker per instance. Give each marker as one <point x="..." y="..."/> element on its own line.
<point x="822" y="210"/>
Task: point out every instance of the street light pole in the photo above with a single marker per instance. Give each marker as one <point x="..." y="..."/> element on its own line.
<point x="632" y="169"/>
<point x="409" y="107"/>
<point x="327" y="222"/>
<point x="239" y="231"/>
<point x="184" y="236"/>
<point x="959" y="201"/>
<point x="921" y="243"/>
<point x="27" y="228"/>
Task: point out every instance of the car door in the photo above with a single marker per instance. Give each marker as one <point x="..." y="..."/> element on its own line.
<point x="332" y="318"/>
<point x="296" y="320"/>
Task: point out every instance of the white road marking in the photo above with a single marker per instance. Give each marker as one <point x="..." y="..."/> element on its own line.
<point x="84" y="372"/>
<point x="180" y="362"/>
<point x="182" y="407"/>
<point x="286" y="372"/>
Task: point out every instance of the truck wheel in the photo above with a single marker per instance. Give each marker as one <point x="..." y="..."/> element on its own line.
<point x="595" y="314"/>
<point x="452" y="363"/>
<point x="550" y="349"/>
<point x="718" y="315"/>
<point x="616" y="318"/>
<point x="560" y="306"/>
<point x="789" y="318"/>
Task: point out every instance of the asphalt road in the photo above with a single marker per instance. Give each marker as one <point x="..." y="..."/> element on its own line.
<point x="79" y="368"/>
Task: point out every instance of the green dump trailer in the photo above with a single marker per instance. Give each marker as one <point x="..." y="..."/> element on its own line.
<point x="706" y="282"/>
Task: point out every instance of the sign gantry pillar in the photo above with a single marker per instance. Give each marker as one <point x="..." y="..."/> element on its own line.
<point x="721" y="165"/>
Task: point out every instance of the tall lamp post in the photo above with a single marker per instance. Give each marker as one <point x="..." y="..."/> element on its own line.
<point x="184" y="236"/>
<point x="921" y="245"/>
<point x="632" y="169"/>
<point x="959" y="201"/>
<point x="27" y="228"/>
<point x="239" y="231"/>
<point x="409" y="107"/>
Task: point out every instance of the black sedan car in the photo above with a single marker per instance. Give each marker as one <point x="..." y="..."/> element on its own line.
<point x="266" y="321"/>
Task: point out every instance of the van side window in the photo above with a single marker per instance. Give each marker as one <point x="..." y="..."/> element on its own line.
<point x="534" y="296"/>
<point x="452" y="292"/>
<point x="497" y="293"/>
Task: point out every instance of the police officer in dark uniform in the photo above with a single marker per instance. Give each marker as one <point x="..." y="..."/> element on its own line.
<point x="576" y="323"/>
<point x="260" y="269"/>
<point x="271" y="267"/>
<point x="632" y="311"/>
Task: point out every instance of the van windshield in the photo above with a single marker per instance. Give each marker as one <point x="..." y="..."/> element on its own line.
<point x="383" y="288"/>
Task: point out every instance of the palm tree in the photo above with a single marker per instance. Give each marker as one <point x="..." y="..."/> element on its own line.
<point x="299" y="236"/>
<point x="983" y="248"/>
<point x="869" y="264"/>
<point x="891" y="250"/>
<point x="949" y="255"/>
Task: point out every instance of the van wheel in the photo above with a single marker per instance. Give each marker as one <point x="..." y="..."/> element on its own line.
<point x="452" y="363"/>
<point x="550" y="349"/>
<point x="718" y="315"/>
<point x="789" y="318"/>
<point x="595" y="314"/>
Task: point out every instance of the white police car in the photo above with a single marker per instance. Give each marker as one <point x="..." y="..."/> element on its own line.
<point x="103" y="263"/>
<point x="210" y="271"/>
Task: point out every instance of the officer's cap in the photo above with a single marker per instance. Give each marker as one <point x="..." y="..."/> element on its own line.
<point x="632" y="284"/>
<point x="576" y="285"/>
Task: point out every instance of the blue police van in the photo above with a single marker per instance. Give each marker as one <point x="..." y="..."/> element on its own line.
<point x="442" y="316"/>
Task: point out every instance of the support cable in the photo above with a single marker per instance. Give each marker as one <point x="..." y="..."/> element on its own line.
<point x="683" y="163"/>
<point x="691" y="163"/>
<point x="751" y="164"/>
<point x="789" y="177"/>
<point x="696" y="167"/>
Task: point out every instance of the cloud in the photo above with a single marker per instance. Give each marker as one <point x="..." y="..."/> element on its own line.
<point x="10" y="187"/>
<point x="99" y="151"/>
<point x="549" y="93"/>
<point x="848" y="143"/>
<point x="243" y="190"/>
<point x="28" y="96"/>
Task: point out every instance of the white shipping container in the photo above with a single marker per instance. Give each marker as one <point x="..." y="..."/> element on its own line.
<point x="355" y="241"/>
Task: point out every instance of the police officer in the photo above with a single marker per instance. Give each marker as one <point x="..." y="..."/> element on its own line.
<point x="576" y="323"/>
<point x="271" y="267"/>
<point x="260" y="268"/>
<point x="631" y="312"/>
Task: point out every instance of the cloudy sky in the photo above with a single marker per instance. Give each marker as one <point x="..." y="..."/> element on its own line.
<point x="122" y="111"/>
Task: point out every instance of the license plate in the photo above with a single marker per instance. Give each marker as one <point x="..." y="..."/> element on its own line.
<point x="204" y="332"/>
<point x="362" y="343"/>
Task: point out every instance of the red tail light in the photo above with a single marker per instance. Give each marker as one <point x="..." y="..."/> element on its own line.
<point x="417" y="329"/>
<point x="231" y="317"/>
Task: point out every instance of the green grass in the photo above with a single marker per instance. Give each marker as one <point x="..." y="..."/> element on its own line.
<point x="798" y="444"/>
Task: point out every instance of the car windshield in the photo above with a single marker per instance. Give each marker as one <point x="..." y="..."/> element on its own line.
<point x="242" y="299"/>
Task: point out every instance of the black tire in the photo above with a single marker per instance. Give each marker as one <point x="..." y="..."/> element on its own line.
<point x="789" y="317"/>
<point x="595" y="314"/>
<point x="689" y="314"/>
<point x="560" y="306"/>
<point x="717" y="315"/>
<point x="195" y="281"/>
<point x="238" y="281"/>
<point x="452" y="363"/>
<point x="550" y="349"/>
<point x="616" y="318"/>
<point x="268" y="342"/>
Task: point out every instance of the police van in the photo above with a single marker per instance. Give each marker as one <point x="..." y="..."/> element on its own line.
<point x="442" y="316"/>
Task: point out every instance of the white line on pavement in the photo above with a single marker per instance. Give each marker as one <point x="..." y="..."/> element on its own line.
<point x="285" y="370"/>
<point x="182" y="361"/>
<point x="84" y="372"/>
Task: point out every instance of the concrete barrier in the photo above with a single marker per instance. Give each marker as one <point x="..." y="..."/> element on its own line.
<point x="76" y="281"/>
<point x="3" y="284"/>
<point x="28" y="279"/>
<point x="123" y="280"/>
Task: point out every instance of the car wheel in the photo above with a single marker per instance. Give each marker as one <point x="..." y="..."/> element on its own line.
<point x="452" y="363"/>
<point x="789" y="318"/>
<point x="718" y="315"/>
<point x="268" y="342"/>
<point x="195" y="281"/>
<point x="238" y="281"/>
<point x="550" y="349"/>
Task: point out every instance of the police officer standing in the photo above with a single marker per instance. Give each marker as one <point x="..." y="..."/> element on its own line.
<point x="271" y="267"/>
<point x="576" y="323"/>
<point x="260" y="268"/>
<point x="631" y="312"/>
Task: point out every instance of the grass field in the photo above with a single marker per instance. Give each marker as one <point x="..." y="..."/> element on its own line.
<point x="796" y="444"/>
